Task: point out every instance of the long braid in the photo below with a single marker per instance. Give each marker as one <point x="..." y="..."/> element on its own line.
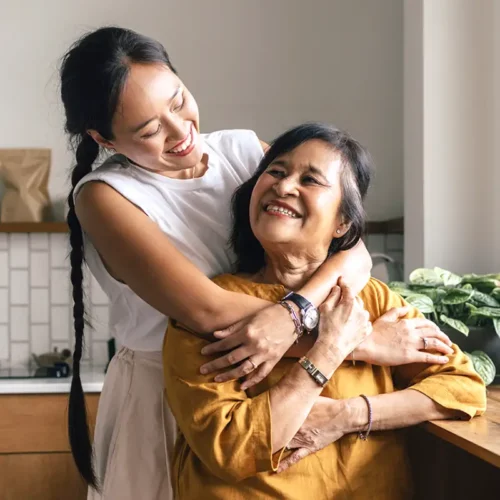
<point x="79" y="436"/>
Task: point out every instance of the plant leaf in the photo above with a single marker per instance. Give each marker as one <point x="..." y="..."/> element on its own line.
<point x="483" y="365"/>
<point x="397" y="284"/>
<point x="467" y="286"/>
<point x="495" y="293"/>
<point x="448" y="278"/>
<point x="496" y="324"/>
<point x="485" y="299"/>
<point x="425" y="277"/>
<point x="485" y="312"/>
<point x="457" y="296"/>
<point x="455" y="323"/>
<point x="436" y="294"/>
<point x="421" y="302"/>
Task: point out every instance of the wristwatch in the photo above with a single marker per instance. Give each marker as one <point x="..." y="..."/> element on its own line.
<point x="309" y="314"/>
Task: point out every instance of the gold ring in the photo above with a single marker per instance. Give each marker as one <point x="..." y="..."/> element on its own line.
<point x="253" y="364"/>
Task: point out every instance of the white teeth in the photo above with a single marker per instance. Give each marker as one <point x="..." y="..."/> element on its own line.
<point x="186" y="144"/>
<point x="281" y="210"/>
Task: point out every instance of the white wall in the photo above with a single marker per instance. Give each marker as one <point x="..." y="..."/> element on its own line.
<point x="257" y="64"/>
<point x="451" y="121"/>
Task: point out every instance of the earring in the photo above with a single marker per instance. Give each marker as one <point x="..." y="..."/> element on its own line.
<point x="338" y="231"/>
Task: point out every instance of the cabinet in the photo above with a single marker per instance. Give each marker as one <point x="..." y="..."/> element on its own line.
<point x="35" y="461"/>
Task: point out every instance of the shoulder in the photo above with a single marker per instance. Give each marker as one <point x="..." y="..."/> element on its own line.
<point x="378" y="298"/>
<point x="238" y="284"/>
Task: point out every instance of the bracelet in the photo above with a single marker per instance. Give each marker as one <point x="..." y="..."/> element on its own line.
<point x="364" y="435"/>
<point x="316" y="375"/>
<point x="298" y="326"/>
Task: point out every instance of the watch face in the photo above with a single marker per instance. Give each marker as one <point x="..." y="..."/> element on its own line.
<point x="311" y="318"/>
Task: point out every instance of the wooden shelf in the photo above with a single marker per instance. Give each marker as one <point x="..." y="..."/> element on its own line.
<point x="33" y="227"/>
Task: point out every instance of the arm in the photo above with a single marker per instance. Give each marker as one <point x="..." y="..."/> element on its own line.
<point x="231" y="432"/>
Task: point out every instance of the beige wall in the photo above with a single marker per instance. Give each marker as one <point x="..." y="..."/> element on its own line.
<point x="261" y="64"/>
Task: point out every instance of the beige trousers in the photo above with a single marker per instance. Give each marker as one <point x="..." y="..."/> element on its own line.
<point x="135" y="430"/>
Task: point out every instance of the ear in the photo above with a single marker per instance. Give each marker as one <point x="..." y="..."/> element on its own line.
<point x="100" y="139"/>
<point x="342" y="229"/>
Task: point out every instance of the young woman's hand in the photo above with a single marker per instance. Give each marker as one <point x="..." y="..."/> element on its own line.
<point x="256" y="344"/>
<point x="398" y="341"/>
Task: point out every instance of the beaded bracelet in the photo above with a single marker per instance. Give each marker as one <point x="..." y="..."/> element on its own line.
<point x="364" y="435"/>
<point x="298" y="326"/>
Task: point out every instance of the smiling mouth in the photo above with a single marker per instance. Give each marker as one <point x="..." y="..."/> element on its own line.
<point x="184" y="147"/>
<point x="273" y="209"/>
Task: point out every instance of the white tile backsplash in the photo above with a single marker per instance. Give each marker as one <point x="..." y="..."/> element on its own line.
<point x="35" y="300"/>
<point x="19" y="287"/>
<point x="39" y="241"/>
<point x="19" y="250"/>
<point x="4" y="268"/>
<point x="4" y="344"/>
<point x="59" y="286"/>
<point x="40" y="339"/>
<point x="19" y="323"/>
<point x="59" y="250"/>
<point x="19" y="354"/>
<point x="60" y="323"/>
<point x="39" y="305"/>
<point x="4" y="305"/>
<point x="39" y="269"/>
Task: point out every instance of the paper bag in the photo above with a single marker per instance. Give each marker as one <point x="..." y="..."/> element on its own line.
<point x="25" y="173"/>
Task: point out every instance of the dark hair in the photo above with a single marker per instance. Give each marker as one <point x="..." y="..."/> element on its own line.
<point x="93" y="74"/>
<point x="355" y="180"/>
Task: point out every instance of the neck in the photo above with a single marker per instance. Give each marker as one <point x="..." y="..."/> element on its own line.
<point x="292" y="272"/>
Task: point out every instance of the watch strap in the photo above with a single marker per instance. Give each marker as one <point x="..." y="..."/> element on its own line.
<point x="316" y="374"/>
<point x="301" y="302"/>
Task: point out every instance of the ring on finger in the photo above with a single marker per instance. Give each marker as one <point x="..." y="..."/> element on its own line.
<point x="426" y="343"/>
<point x="253" y="364"/>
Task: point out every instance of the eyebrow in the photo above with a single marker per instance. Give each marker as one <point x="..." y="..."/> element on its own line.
<point x="310" y="168"/>
<point x="147" y="122"/>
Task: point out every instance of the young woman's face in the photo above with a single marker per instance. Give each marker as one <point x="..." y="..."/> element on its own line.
<point x="156" y="123"/>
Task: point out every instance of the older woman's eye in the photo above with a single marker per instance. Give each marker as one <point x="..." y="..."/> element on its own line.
<point x="275" y="172"/>
<point x="310" y="180"/>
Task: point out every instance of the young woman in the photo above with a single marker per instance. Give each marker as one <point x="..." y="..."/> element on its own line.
<point x="152" y="223"/>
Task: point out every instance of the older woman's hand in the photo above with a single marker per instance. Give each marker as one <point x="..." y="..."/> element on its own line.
<point x="397" y="341"/>
<point x="326" y="423"/>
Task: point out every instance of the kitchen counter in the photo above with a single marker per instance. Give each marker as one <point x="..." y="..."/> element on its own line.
<point x="92" y="381"/>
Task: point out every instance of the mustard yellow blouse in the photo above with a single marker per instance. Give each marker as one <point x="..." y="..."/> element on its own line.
<point x="224" y="447"/>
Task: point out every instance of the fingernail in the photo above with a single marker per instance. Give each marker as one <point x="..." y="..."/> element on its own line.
<point x="445" y="359"/>
<point x="203" y="370"/>
<point x="218" y="379"/>
<point x="204" y="350"/>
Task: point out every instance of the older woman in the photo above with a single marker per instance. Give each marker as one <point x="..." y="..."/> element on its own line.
<point x="303" y="204"/>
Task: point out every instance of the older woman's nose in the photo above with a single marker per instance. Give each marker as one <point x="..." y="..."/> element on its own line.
<point x="285" y="187"/>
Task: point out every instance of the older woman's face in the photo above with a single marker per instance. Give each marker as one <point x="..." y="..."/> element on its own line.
<point x="297" y="199"/>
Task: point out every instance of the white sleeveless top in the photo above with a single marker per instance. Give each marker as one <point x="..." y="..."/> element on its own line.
<point x="194" y="213"/>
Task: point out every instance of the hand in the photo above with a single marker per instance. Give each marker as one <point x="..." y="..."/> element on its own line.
<point x="326" y="423"/>
<point x="257" y="343"/>
<point x="344" y="323"/>
<point x="398" y="341"/>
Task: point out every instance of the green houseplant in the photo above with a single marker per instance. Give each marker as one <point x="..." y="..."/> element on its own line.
<point x="466" y="307"/>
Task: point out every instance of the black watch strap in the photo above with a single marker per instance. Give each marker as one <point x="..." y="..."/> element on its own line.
<point x="301" y="302"/>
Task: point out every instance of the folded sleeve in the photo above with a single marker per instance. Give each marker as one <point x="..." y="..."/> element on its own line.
<point x="454" y="385"/>
<point x="227" y="430"/>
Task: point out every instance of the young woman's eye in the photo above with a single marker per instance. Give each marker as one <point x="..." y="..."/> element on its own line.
<point x="152" y="134"/>
<point x="179" y="105"/>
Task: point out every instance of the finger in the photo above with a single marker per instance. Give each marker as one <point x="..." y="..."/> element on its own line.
<point x="222" y="345"/>
<point x="222" y="334"/>
<point x="434" y="331"/>
<point x="240" y="371"/>
<point x="434" y="344"/>
<point x="295" y="457"/>
<point x="256" y="376"/>
<point x="229" y="359"/>
<point x="429" y="359"/>
<point x="333" y="298"/>
<point x="396" y="313"/>
<point x="347" y="294"/>
<point x="422" y="323"/>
